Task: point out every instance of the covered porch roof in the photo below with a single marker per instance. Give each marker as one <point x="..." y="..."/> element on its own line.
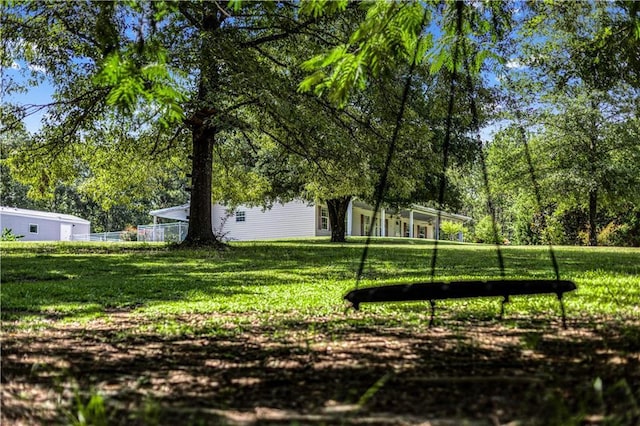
<point x="420" y="212"/>
<point x="434" y="213"/>
<point x="175" y="213"/>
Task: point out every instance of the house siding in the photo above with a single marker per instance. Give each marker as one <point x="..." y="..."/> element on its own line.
<point x="48" y="228"/>
<point x="303" y="219"/>
<point x="395" y="226"/>
<point x="293" y="219"/>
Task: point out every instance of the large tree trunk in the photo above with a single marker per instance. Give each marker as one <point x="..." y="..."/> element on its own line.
<point x="593" y="192"/>
<point x="200" y="222"/>
<point x="593" y="209"/>
<point x="337" y="214"/>
<point x="204" y="135"/>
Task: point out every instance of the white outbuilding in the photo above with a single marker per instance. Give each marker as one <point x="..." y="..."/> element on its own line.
<point x="37" y="225"/>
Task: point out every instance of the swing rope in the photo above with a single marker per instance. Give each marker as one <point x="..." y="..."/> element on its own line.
<point x="445" y="152"/>
<point x="456" y="289"/>
<point x="475" y="123"/>
<point x="447" y="141"/>
<point x="382" y="184"/>
<point x="532" y="173"/>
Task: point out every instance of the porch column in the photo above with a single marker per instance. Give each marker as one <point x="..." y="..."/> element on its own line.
<point x="436" y="229"/>
<point x="382" y="227"/>
<point x="410" y="223"/>
<point x="349" y="218"/>
<point x="155" y="222"/>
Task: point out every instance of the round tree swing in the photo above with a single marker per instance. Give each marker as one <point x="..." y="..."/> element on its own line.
<point x="433" y="290"/>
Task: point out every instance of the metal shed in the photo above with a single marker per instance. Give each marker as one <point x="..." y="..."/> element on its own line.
<point x="37" y="225"/>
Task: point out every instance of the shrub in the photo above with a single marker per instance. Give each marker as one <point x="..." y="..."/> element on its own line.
<point x="484" y="231"/>
<point x="130" y="233"/>
<point x="8" y="235"/>
<point x="451" y="229"/>
<point x="615" y="234"/>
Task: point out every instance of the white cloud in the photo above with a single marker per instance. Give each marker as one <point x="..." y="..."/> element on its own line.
<point x="14" y="66"/>
<point x="514" y="64"/>
<point x="37" y="68"/>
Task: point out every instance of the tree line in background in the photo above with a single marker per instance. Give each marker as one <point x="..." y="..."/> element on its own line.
<point x="73" y="196"/>
<point x="573" y="96"/>
<point x="159" y="103"/>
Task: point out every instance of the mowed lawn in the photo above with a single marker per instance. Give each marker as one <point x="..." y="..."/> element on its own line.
<point x="258" y="334"/>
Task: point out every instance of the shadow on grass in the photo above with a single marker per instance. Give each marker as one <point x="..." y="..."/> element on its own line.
<point x="119" y="278"/>
<point x="294" y="370"/>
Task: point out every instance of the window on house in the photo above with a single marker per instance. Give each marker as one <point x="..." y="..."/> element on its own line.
<point x="324" y="218"/>
<point x="33" y="228"/>
<point x="241" y="216"/>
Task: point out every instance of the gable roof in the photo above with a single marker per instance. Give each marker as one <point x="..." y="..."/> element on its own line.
<point x="14" y="211"/>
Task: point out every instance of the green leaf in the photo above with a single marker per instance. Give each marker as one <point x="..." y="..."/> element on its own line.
<point x="311" y="81"/>
<point x="314" y="8"/>
<point x="335" y="55"/>
<point x="313" y="64"/>
<point x="235" y="5"/>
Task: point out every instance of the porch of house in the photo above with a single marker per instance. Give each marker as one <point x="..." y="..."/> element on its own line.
<point x="414" y="222"/>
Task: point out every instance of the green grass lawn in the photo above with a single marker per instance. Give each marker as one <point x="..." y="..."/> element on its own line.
<point x="126" y="321"/>
<point x="300" y="276"/>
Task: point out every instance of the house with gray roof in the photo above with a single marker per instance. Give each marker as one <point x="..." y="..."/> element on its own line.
<point x="37" y="225"/>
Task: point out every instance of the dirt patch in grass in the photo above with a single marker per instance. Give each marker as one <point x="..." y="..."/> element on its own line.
<point x="233" y="369"/>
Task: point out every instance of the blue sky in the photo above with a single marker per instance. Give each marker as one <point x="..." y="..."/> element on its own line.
<point x="38" y="95"/>
<point x="43" y="92"/>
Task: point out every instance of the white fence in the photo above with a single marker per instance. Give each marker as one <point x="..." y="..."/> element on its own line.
<point x="168" y="232"/>
<point x="105" y="236"/>
<point x="173" y="232"/>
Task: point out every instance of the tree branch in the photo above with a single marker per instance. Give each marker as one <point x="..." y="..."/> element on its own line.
<point x="279" y="36"/>
<point x="270" y="57"/>
<point x="31" y="109"/>
<point x="182" y="7"/>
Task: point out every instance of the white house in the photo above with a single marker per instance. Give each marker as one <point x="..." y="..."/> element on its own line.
<point x="303" y="219"/>
<point x="36" y="225"/>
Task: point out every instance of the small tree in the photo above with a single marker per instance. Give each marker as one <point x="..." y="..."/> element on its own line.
<point x="484" y="232"/>
<point x="451" y="229"/>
